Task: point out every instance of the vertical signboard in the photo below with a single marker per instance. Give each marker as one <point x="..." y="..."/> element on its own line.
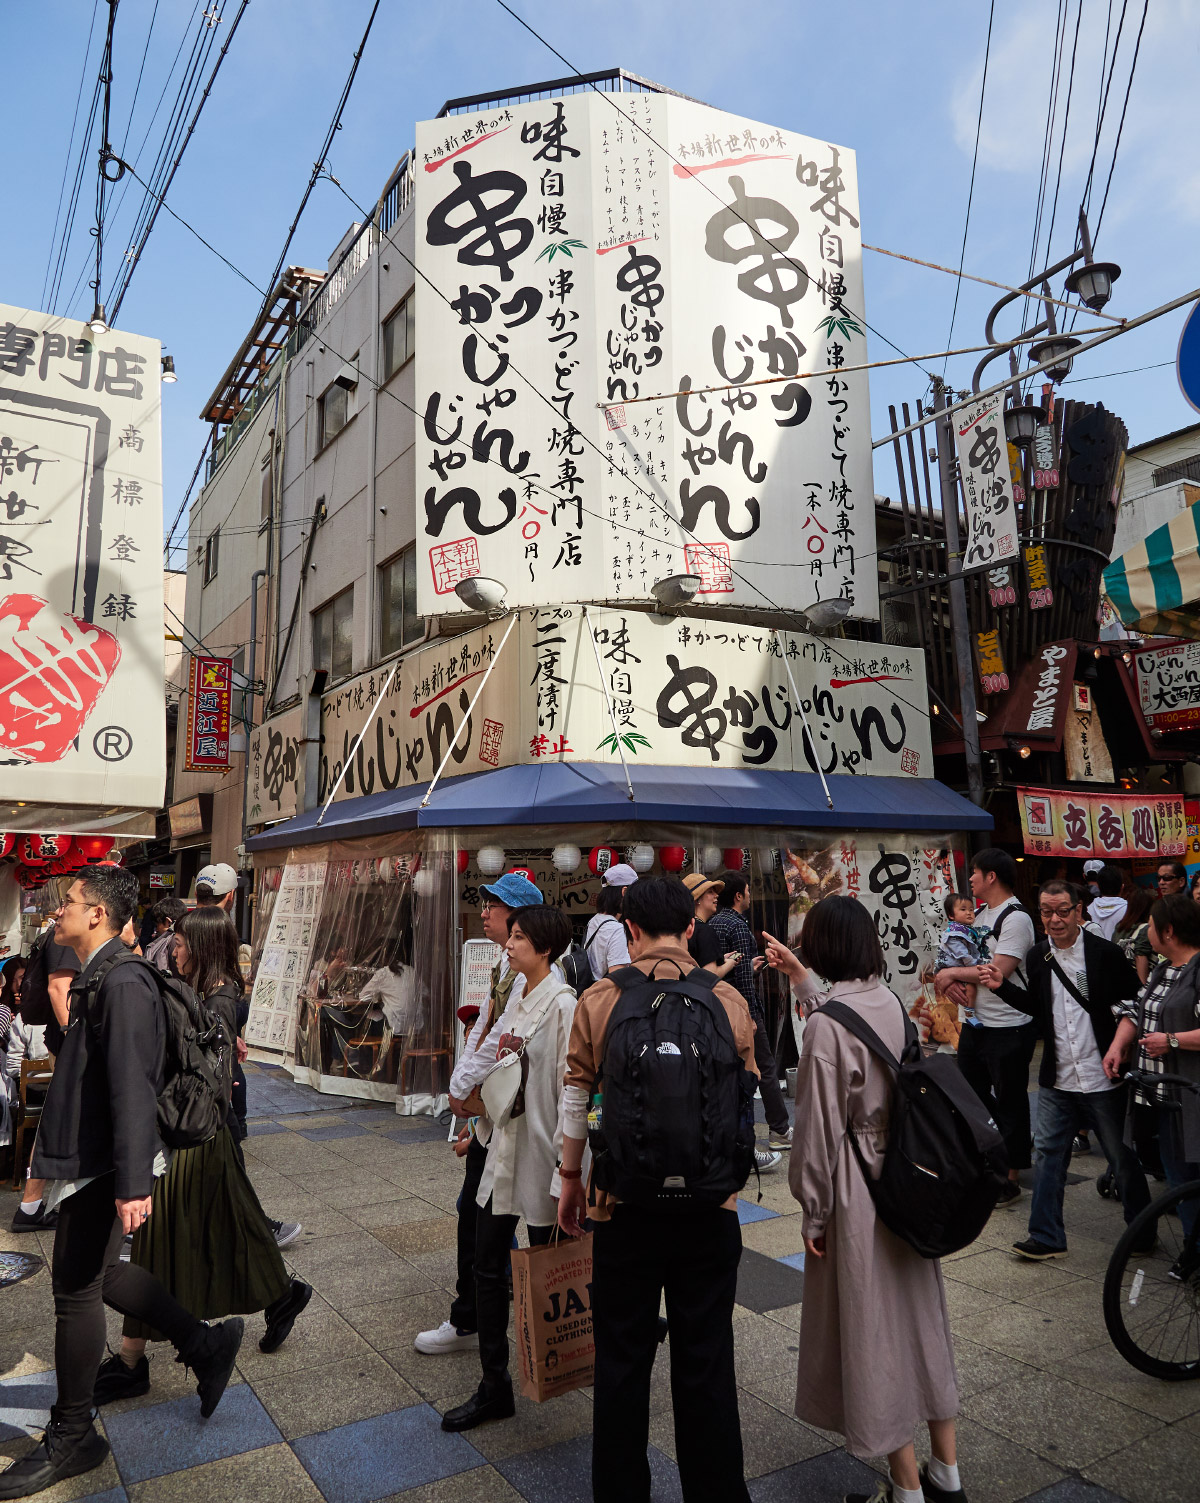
<point x="209" y="691"/>
<point x="987" y="483"/>
<point x="81" y="604"/>
<point x="594" y="252"/>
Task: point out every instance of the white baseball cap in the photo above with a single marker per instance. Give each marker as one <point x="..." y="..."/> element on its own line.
<point x="221" y="877"/>
<point x="620" y="875"/>
<point x="1092" y="866"/>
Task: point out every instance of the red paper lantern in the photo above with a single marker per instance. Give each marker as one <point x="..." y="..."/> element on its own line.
<point x="523" y="871"/>
<point x="734" y="858"/>
<point x="93" y="848"/>
<point x="672" y="857"/>
<point x="461" y="861"/>
<point x="600" y="858"/>
<point x="30" y="851"/>
<point x="6" y="844"/>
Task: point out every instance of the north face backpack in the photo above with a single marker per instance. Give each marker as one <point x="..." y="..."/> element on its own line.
<point x="576" y="964"/>
<point x="675" y="1129"/>
<point x="198" y="1059"/>
<point x="945" y="1163"/>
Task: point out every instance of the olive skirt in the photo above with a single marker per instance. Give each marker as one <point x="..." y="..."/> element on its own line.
<point x="207" y="1238"/>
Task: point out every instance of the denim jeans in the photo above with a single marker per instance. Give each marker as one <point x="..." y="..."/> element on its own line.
<point x="1178" y="1169"/>
<point x="1060" y="1116"/>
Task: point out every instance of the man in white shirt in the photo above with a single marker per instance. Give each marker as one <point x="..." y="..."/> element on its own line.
<point x="461" y="1332"/>
<point x="996" y="1046"/>
<point x="1076" y="983"/>
<point x="605" y="940"/>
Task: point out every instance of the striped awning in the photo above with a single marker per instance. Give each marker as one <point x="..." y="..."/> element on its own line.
<point x="1155" y="586"/>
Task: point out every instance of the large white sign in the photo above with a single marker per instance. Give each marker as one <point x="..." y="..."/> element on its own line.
<point x="1168" y="682"/>
<point x="987" y="483"/>
<point x="578" y="255"/>
<point x="81" y="596"/>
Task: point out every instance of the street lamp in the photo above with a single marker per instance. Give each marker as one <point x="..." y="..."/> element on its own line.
<point x="1022" y="421"/>
<point x="824" y="615"/>
<point x="168" y="370"/>
<point x="1092" y="283"/>
<point x="1059" y="349"/>
<point x="98" y="323"/>
<point x="479" y="593"/>
<point x="675" y="590"/>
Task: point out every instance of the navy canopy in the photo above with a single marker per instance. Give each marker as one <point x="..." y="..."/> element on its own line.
<point x="562" y="793"/>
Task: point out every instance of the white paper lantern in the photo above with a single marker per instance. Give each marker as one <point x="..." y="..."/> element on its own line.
<point x="566" y="858"/>
<point x="641" y="858"/>
<point x="711" y="859"/>
<point x="425" y="882"/>
<point x="490" y="860"/>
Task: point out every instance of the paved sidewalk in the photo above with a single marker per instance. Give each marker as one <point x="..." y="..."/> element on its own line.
<point x="347" y="1411"/>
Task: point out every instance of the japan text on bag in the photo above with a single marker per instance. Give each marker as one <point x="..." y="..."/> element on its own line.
<point x="552" y="1298"/>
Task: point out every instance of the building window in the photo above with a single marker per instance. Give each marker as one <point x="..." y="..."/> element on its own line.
<point x="398" y="338"/>
<point x="333" y="635"/>
<point x="399" y="624"/>
<point x="268" y="474"/>
<point x="337" y="405"/>
<point x="211" y="549"/>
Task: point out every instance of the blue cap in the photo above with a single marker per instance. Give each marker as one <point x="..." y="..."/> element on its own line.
<point x="513" y="890"/>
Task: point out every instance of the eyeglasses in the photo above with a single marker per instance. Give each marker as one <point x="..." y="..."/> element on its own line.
<point x="1170" y="877"/>
<point x="72" y="902"/>
<point x="1062" y="913"/>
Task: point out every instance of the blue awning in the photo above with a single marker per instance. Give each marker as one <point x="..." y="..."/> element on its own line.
<point x="560" y="793"/>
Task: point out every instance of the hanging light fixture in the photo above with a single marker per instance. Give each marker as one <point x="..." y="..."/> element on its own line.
<point x="1092" y="283"/>
<point x="168" y="370"/>
<point x="98" y="323"/>
<point x="1059" y="350"/>
<point x="1022" y="421"/>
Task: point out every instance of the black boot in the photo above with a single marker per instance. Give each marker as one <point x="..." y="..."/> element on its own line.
<point x="281" y="1316"/>
<point x="480" y="1408"/>
<point x="56" y="1456"/>
<point x="211" y="1356"/>
<point x="117" y="1380"/>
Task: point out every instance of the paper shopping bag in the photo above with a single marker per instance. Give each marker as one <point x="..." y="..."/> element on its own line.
<point x="552" y="1298"/>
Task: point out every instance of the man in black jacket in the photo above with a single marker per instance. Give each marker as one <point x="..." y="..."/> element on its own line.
<point x="1076" y="981"/>
<point x="96" y="1146"/>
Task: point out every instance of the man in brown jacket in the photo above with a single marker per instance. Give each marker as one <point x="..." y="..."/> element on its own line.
<point x="638" y="1253"/>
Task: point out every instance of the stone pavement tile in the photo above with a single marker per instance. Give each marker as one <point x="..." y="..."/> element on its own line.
<point x="259" y="1127"/>
<point x="1102" y="1369"/>
<point x="1161" y="1468"/>
<point x="1089" y="1256"/>
<point x="271" y="1182"/>
<point x="381" y="1215"/>
<point x="994" y="1470"/>
<point x="963" y="1300"/>
<point x="818" y="1480"/>
<point x="317" y="1218"/>
<point x="775" y="1388"/>
<point x="483" y="1485"/>
<point x="765" y="1284"/>
<point x="979" y="1368"/>
<point x="1074" y="1490"/>
<point x="318" y="1398"/>
<point x="748" y="1212"/>
<point x="776" y="1196"/>
<point x="562" y="1474"/>
<point x="349" y="1192"/>
<point x="439" y="1268"/>
<point x="786" y="1315"/>
<point x="1000" y="1271"/>
<point x="328" y="1132"/>
<point x="1068" y="1425"/>
<point x="292" y="1155"/>
<point x="534" y="1426"/>
<point x="1082" y="1303"/>
<point x="320" y="1335"/>
<point x="270" y="1475"/>
<point x="434" y="1235"/>
<point x="394" y="1322"/>
<point x="424" y="1130"/>
<point x="172" y="1437"/>
<point x="760" y="1345"/>
<point x="775" y="1238"/>
<point x="375" y="1458"/>
<point x="1020" y="1331"/>
<point x="443" y="1381"/>
<point x="354" y="1269"/>
<point x="306" y="1120"/>
<point x="169" y="1379"/>
<point x="25" y="1405"/>
<point x="770" y="1440"/>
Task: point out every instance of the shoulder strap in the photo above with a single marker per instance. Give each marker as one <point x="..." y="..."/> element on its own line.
<point x="697" y="983"/>
<point x="865" y="1034"/>
<point x="1065" y="979"/>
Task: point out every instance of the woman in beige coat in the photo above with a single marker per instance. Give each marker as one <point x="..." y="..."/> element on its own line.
<point x="875" y="1352"/>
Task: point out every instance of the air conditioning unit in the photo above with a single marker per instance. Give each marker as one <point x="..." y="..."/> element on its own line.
<point x="898" y="618"/>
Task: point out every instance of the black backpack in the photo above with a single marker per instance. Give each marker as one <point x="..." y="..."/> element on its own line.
<point x="945" y="1162"/>
<point x="676" y="1126"/>
<point x="198" y="1061"/>
<point x="577" y="967"/>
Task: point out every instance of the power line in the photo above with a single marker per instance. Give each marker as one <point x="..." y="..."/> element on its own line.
<point x="62" y="188"/>
<point x="1104" y="375"/>
<point x="1062" y="145"/>
<point x="1121" y="124"/>
<point x="987" y="50"/>
<point x="1102" y="109"/>
<point x="141" y="70"/>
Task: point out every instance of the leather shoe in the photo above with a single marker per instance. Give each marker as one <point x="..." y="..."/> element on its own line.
<point x="52" y="1459"/>
<point x="480" y="1408"/>
<point x="281" y="1316"/>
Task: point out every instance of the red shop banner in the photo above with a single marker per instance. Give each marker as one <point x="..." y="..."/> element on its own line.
<point x="1106" y="825"/>
<point x="209" y="692"/>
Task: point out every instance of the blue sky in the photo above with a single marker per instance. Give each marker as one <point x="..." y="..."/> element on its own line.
<point x="898" y="84"/>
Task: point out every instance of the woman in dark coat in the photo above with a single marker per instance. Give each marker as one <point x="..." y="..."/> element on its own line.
<point x="207" y="1238"/>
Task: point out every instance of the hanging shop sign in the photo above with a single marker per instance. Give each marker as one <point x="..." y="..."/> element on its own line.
<point x="1055" y="823"/>
<point x="81" y="612"/>
<point x="1001" y="590"/>
<point x="987" y="483"/>
<point x="191" y="816"/>
<point x="274" y="776"/>
<point x="1045" y="458"/>
<point x="682" y="693"/>
<point x="1087" y="754"/>
<point x="1037" y="577"/>
<point x="988" y="654"/>
<point x="566" y="270"/>
<point x="1168" y="685"/>
<point x="210" y="688"/>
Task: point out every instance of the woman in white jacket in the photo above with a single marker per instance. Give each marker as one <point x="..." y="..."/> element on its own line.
<point x="520" y="1178"/>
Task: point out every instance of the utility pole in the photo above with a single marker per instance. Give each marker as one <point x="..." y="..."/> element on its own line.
<point x="963" y="657"/>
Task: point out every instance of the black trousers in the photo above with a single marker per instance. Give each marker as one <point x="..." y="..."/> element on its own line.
<point x="493" y="1251"/>
<point x="88" y="1274"/>
<point x="694" y="1258"/>
<point x="774" y="1104"/>
<point x="995" y="1062"/>
<point x="462" y="1312"/>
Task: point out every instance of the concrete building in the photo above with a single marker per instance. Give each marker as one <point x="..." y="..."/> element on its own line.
<point x="1162" y="478"/>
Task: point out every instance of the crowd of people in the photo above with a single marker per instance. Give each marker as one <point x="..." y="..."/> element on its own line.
<point x="624" y="1107"/>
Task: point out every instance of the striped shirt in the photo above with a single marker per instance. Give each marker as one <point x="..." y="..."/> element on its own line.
<point x="1145" y="1012"/>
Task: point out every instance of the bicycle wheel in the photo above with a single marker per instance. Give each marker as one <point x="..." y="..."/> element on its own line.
<point x="1152" y="1299"/>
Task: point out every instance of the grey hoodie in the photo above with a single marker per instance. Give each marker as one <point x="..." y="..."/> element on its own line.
<point x="1106" y="914"/>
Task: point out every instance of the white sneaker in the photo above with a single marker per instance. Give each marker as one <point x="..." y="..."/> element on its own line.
<point x="781" y="1141"/>
<point x="766" y="1159"/>
<point x="447" y="1338"/>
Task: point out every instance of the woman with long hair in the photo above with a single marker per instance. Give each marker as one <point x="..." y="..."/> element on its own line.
<point x="207" y="1238"/>
<point x="875" y="1353"/>
<point x="1132" y="932"/>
